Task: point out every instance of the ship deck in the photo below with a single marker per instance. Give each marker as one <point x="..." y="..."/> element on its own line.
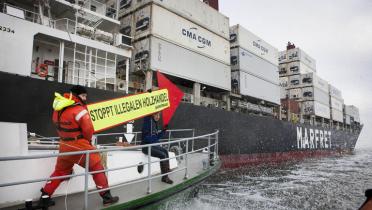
<point x="135" y="195"/>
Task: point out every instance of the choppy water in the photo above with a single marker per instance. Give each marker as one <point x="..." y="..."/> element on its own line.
<point x="327" y="183"/>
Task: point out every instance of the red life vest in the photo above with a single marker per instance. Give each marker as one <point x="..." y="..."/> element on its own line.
<point x="73" y="122"/>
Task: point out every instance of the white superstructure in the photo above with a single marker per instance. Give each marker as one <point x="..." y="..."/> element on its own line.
<point x="75" y="42"/>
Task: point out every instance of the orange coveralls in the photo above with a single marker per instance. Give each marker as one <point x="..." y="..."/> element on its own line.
<point x="75" y="130"/>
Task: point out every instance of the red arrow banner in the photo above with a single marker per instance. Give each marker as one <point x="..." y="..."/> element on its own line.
<point x="175" y="96"/>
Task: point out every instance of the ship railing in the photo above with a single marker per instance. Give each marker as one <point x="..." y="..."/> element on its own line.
<point x="22" y="13"/>
<point x="65" y="24"/>
<point x="103" y="8"/>
<point x="169" y="138"/>
<point x="211" y="148"/>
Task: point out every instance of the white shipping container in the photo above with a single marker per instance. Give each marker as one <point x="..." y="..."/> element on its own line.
<point x="193" y="10"/>
<point x="297" y="67"/>
<point x="315" y="108"/>
<point x="282" y="57"/>
<point x="353" y="111"/>
<point x="241" y="37"/>
<point x="283" y="82"/>
<point x="311" y="79"/>
<point x="337" y="115"/>
<point x="180" y="62"/>
<point x="334" y="92"/>
<point x="283" y="69"/>
<point x="175" y="29"/>
<point x="337" y="104"/>
<point x="315" y="94"/>
<point x="142" y="22"/>
<point x="295" y="93"/>
<point x="254" y="87"/>
<point x="294" y="81"/>
<point x="297" y="54"/>
<point x="243" y="60"/>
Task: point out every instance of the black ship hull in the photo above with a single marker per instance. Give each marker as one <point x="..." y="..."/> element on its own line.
<point x="243" y="139"/>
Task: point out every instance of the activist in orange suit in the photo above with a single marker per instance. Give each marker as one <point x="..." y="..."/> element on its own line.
<point x="75" y="130"/>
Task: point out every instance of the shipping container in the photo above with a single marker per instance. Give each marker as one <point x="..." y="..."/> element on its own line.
<point x="311" y="79"/>
<point x="193" y="10"/>
<point x="252" y="86"/>
<point x="297" y="67"/>
<point x="142" y="21"/>
<point x="337" y="115"/>
<point x="294" y="81"/>
<point x="292" y="105"/>
<point x="243" y="60"/>
<point x="241" y="37"/>
<point x="336" y="104"/>
<point x="164" y="24"/>
<point x="315" y="108"/>
<point x="334" y="92"/>
<point x="315" y="94"/>
<point x="283" y="70"/>
<point x="297" y="54"/>
<point x="157" y="54"/>
<point x="353" y="111"/>
<point x="295" y="93"/>
<point x="283" y="82"/>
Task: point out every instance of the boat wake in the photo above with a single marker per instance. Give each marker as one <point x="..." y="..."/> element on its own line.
<point x="327" y="183"/>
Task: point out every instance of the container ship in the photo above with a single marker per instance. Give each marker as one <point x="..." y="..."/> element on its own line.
<point x="268" y="105"/>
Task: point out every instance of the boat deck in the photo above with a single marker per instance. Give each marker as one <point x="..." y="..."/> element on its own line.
<point x="136" y="194"/>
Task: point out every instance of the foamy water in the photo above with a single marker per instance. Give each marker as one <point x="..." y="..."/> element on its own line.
<point x="327" y="183"/>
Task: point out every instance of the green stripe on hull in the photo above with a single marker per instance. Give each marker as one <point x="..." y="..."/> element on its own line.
<point x="153" y="198"/>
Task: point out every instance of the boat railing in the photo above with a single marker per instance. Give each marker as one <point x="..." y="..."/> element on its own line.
<point x="211" y="141"/>
<point x="169" y="137"/>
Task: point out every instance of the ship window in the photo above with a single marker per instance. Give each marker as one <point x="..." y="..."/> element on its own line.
<point x="93" y="8"/>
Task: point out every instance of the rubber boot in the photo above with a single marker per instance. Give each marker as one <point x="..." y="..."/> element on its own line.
<point x="108" y="199"/>
<point x="45" y="200"/>
<point x="164" y="166"/>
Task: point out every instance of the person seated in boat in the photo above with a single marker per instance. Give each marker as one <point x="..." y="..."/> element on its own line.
<point x="151" y="135"/>
<point x="75" y="129"/>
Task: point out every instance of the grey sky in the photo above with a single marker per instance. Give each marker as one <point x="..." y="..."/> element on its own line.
<point x="337" y="33"/>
